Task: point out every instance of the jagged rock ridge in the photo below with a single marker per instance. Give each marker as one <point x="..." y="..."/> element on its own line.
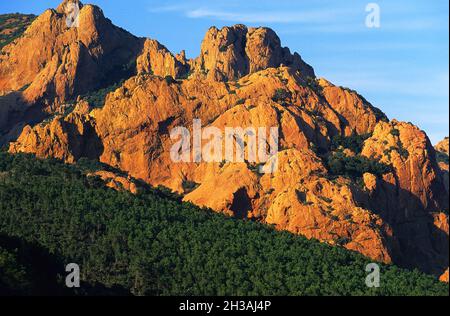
<point x="243" y="77"/>
<point x="233" y="52"/>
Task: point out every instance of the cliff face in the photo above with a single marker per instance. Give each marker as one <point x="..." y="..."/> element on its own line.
<point x="442" y="155"/>
<point x="55" y="61"/>
<point x="443" y="146"/>
<point x="233" y="52"/>
<point x="244" y="78"/>
<point x="412" y="196"/>
<point x="416" y="176"/>
<point x="156" y="59"/>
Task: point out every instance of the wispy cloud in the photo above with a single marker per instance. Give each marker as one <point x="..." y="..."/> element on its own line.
<point x="329" y="19"/>
<point x="400" y="67"/>
<point x="239" y="12"/>
<point x="169" y="8"/>
<point x="265" y="16"/>
<point x="356" y="24"/>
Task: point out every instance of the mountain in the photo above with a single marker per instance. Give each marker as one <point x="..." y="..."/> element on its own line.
<point x="12" y="26"/>
<point x="154" y="244"/>
<point x="347" y="175"/>
<point x="442" y="153"/>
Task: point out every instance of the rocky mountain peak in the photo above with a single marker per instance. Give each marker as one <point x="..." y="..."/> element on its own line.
<point x="57" y="60"/>
<point x="233" y="52"/>
<point x="382" y="195"/>
<point x="443" y="146"/>
<point x="66" y="5"/>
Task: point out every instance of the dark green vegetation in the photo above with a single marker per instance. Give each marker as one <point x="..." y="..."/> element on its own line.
<point x="281" y="96"/>
<point x="170" y="80"/>
<point x="339" y="164"/>
<point x="442" y="157"/>
<point x="112" y="81"/>
<point x="189" y="186"/>
<point x="353" y="167"/>
<point x="13" y="274"/>
<point x="240" y="101"/>
<point x="355" y="142"/>
<point x="97" y="98"/>
<point x="12" y="27"/>
<point x="154" y="244"/>
<point x="313" y="84"/>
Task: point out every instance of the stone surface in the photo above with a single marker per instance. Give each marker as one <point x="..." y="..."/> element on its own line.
<point x="156" y="59"/>
<point x="117" y="182"/>
<point x="442" y="150"/>
<point x="52" y="63"/>
<point x="233" y="52"/>
<point x="242" y="78"/>
<point x="409" y="196"/>
<point x="444" y="276"/>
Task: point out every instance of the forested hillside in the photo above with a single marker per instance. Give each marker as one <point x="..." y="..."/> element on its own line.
<point x="12" y="26"/>
<point x="52" y="214"/>
<point x="339" y="171"/>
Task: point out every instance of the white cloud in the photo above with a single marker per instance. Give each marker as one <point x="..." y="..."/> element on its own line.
<point x="344" y="19"/>
<point x="169" y="8"/>
<point x="266" y="16"/>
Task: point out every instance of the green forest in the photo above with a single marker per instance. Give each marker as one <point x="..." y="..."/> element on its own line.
<point x="52" y="214"/>
<point x="12" y="26"/>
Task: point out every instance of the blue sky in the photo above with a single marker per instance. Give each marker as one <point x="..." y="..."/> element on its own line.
<point x="401" y="67"/>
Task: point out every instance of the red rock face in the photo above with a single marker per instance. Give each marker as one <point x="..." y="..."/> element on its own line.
<point x="67" y="138"/>
<point x="157" y="60"/>
<point x="442" y="151"/>
<point x="416" y="179"/>
<point x="444" y="277"/>
<point x="233" y="52"/>
<point x="443" y="146"/>
<point x="412" y="195"/>
<point x="58" y="61"/>
<point x="53" y="63"/>
<point x="244" y="78"/>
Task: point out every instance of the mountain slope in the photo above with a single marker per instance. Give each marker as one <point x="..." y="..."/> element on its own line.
<point x="347" y="176"/>
<point x="12" y="27"/>
<point x="153" y="244"/>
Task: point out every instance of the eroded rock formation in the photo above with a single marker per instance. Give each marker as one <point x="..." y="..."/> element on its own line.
<point x="233" y="52"/>
<point x="243" y="78"/>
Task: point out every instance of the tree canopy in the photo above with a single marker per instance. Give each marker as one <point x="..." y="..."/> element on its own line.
<point x="51" y="214"/>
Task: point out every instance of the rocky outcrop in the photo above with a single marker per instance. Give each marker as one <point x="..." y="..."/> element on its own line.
<point x="53" y="60"/>
<point x="67" y="138"/>
<point x="415" y="183"/>
<point x="442" y="155"/>
<point x="117" y="182"/>
<point x="360" y="118"/>
<point x="444" y="276"/>
<point x="156" y="59"/>
<point x="244" y="78"/>
<point x="234" y="52"/>
<point x="302" y="200"/>
<point x="443" y="146"/>
<point x="408" y="197"/>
